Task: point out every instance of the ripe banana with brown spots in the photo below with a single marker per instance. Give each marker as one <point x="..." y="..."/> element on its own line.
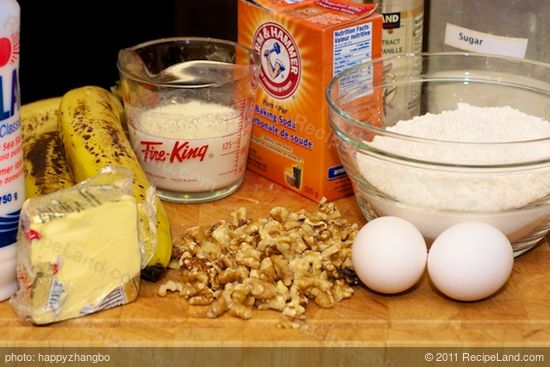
<point x="91" y="130"/>
<point x="44" y="160"/>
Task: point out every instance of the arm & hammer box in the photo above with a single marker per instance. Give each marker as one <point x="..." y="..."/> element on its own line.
<point x="302" y="45"/>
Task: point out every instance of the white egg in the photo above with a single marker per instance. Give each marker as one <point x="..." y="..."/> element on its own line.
<point x="470" y="261"/>
<point x="389" y="255"/>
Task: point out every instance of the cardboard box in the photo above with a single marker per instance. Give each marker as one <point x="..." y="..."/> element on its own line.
<point x="302" y="45"/>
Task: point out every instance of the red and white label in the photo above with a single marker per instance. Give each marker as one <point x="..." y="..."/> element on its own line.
<point x="281" y="64"/>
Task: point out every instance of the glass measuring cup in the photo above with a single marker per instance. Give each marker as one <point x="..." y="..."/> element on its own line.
<point x="189" y="104"/>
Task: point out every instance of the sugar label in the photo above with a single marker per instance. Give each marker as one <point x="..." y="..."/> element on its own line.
<point x="474" y="41"/>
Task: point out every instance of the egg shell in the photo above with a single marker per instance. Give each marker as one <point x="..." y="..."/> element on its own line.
<point x="389" y="255"/>
<point x="470" y="261"/>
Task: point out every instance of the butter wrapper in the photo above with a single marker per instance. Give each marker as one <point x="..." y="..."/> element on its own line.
<point x="79" y="250"/>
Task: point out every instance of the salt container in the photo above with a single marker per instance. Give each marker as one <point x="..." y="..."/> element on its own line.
<point x="12" y="184"/>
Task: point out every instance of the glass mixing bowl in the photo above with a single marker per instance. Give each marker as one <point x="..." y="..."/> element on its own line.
<point x="437" y="182"/>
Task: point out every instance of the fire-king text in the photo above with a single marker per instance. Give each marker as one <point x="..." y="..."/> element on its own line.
<point x="152" y="151"/>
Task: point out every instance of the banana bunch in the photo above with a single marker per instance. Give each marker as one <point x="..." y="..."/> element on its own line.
<point x="44" y="161"/>
<point x="87" y="126"/>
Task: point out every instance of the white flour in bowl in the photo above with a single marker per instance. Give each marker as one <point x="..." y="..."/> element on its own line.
<point x="475" y="124"/>
<point x="446" y="188"/>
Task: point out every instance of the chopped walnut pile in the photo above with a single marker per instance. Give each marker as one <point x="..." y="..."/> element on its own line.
<point x="280" y="262"/>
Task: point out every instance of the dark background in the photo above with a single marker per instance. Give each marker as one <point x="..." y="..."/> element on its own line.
<point x="66" y="45"/>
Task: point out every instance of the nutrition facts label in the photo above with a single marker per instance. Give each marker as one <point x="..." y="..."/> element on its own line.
<point x="351" y="46"/>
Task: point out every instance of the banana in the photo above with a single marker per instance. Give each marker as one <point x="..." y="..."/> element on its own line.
<point x="91" y="130"/>
<point x="39" y="117"/>
<point x="44" y="161"/>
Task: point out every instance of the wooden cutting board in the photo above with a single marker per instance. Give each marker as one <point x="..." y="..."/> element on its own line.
<point x="518" y="315"/>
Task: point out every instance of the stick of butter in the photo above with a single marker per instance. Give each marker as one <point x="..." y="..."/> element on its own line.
<point x="78" y="251"/>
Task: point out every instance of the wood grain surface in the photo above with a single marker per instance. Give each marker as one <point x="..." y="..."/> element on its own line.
<point x="518" y="315"/>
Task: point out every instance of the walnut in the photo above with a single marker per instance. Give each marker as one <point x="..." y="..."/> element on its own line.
<point x="292" y="224"/>
<point x="331" y="250"/>
<point x="279" y="262"/>
<point x="229" y="261"/>
<point x="294" y="308"/>
<point x="282" y="269"/>
<point x="242" y="272"/>
<point x="196" y="234"/>
<point x="170" y="286"/>
<point x="203" y="298"/>
<point x="278" y="302"/>
<point x="318" y="224"/>
<point x="242" y="301"/>
<point x="222" y="234"/>
<point x="218" y="307"/>
<point x="227" y="276"/>
<point x="260" y="289"/>
<point x="267" y="271"/>
<point x="323" y="298"/>
<point x="248" y="256"/>
<point x="208" y="250"/>
<point x="341" y="290"/>
<point x="239" y="217"/>
<point x="174" y="264"/>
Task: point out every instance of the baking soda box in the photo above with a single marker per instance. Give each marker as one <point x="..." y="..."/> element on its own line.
<point x="302" y="45"/>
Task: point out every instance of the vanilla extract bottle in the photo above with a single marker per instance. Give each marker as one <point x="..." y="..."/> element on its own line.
<point x="403" y="25"/>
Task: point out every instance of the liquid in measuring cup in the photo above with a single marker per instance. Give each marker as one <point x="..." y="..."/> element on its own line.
<point x="194" y="151"/>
